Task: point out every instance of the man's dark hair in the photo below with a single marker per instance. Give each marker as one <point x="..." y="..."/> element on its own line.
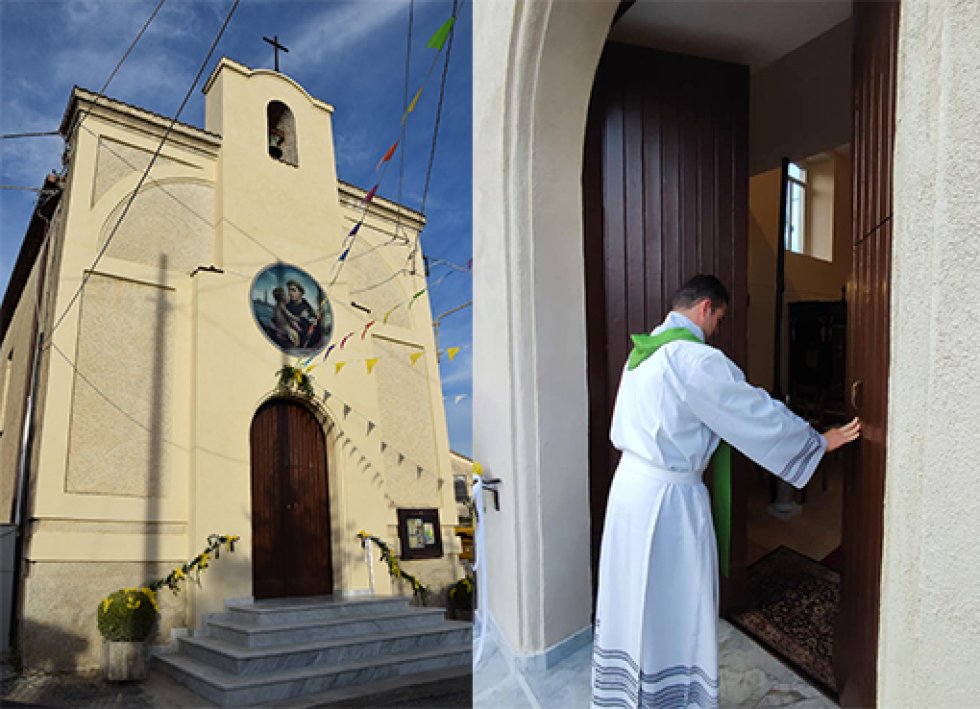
<point x="698" y="288"/>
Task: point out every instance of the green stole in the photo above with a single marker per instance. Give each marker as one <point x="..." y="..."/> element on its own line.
<point x="721" y="461"/>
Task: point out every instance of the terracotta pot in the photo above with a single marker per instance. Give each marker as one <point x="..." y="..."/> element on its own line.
<point x="124" y="661"/>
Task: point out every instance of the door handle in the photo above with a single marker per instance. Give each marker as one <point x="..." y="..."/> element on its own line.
<point x="857" y="389"/>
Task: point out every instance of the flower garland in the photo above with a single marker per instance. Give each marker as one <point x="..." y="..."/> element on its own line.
<point x="296" y="377"/>
<point x="197" y="564"/>
<point x="394" y="569"/>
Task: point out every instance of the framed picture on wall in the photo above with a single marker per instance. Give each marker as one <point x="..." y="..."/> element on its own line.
<point x="418" y="532"/>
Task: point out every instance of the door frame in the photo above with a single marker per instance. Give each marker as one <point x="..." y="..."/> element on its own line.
<point x="333" y="479"/>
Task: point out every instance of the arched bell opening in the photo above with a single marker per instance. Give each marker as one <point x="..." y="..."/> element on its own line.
<point x="282" y="133"/>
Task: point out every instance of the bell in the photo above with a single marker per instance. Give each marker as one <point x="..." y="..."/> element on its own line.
<point x="275" y="145"/>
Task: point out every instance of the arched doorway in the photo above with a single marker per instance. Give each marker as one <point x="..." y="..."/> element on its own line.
<point x="290" y="503"/>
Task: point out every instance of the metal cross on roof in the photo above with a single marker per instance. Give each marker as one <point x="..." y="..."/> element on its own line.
<point x="276" y="47"/>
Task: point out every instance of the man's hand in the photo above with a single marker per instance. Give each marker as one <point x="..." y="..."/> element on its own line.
<point x="837" y="437"/>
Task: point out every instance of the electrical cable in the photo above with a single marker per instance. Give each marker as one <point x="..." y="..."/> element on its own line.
<point x="146" y="172"/>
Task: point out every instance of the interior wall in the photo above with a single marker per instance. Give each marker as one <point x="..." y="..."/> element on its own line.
<point x="807" y="277"/>
<point x="801" y="104"/>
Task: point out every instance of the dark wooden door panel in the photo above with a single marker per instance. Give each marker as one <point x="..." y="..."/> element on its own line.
<point x="856" y="634"/>
<point x="290" y="511"/>
<point x="665" y="197"/>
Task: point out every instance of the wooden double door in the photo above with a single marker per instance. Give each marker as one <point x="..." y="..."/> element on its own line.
<point x="665" y="188"/>
<point x="290" y="503"/>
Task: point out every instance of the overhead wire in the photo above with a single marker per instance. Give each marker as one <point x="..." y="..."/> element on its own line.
<point x="146" y="172"/>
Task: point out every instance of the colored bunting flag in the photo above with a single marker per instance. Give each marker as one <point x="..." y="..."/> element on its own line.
<point x="346" y="337"/>
<point x="459" y="398"/>
<point x="411" y="106"/>
<point x="415" y="357"/>
<point x="354" y="230"/>
<point x="329" y="350"/>
<point x="366" y="328"/>
<point x="370" y="364"/>
<point x="388" y="314"/>
<point x="384" y="446"/>
<point x="326" y="394"/>
<point x="343" y="256"/>
<point x="416" y="297"/>
<point x="370" y="427"/>
<point x="347" y="411"/>
<point x="439" y="38"/>
<point x="370" y="195"/>
<point x="418" y="471"/>
<point x="469" y="264"/>
<point x="401" y="458"/>
<point x="452" y="352"/>
<point x="338" y="367"/>
<point x="439" y="483"/>
<point x="387" y="156"/>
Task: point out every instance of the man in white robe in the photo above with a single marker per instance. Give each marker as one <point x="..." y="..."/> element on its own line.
<point x="655" y="642"/>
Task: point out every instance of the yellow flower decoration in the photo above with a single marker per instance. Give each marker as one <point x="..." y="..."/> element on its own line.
<point x="477" y="468"/>
<point x="106" y="602"/>
<point x="179" y="573"/>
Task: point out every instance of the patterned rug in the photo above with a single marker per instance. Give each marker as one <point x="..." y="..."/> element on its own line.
<point x="792" y="606"/>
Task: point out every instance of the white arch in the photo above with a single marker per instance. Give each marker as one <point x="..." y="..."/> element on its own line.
<point x="534" y="62"/>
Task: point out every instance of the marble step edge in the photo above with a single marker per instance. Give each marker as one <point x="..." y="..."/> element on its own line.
<point x="377" y="693"/>
<point x="237" y="652"/>
<point x="226" y="689"/>
<point x="225" y="621"/>
<point x="265" y="611"/>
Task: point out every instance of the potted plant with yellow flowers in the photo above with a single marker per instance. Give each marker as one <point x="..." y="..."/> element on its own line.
<point x="128" y="618"/>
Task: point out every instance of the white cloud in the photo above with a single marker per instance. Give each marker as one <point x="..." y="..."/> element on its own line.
<point x="339" y="26"/>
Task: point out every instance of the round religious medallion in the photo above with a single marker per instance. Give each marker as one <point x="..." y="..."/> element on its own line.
<point x="290" y="307"/>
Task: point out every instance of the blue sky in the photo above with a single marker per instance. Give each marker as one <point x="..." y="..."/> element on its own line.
<point x="350" y="53"/>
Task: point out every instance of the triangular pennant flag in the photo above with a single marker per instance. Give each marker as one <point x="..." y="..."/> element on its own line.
<point x="370" y="427"/>
<point x="370" y="364"/>
<point x="384" y="446"/>
<point x="452" y="352"/>
<point x="343" y="256"/>
<point x="366" y="328"/>
<point x="346" y="337"/>
<point x="347" y="411"/>
<point x="416" y="297"/>
<point x="338" y="367"/>
<point x="355" y="229"/>
<point x="415" y="357"/>
<point x="401" y="459"/>
<point x="469" y="264"/>
<point x="329" y="350"/>
<point x="459" y="398"/>
<point x="439" y="483"/>
<point x="388" y="315"/>
<point x="418" y="471"/>
<point x="370" y="195"/>
<point x="411" y="106"/>
<point x="437" y="40"/>
<point x="387" y="156"/>
<point x="326" y="394"/>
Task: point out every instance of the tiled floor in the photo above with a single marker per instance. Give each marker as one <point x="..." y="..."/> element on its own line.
<point x="750" y="678"/>
<point x="815" y="532"/>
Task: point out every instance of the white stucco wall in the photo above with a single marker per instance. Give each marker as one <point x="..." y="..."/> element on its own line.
<point x="534" y="63"/>
<point x="930" y="605"/>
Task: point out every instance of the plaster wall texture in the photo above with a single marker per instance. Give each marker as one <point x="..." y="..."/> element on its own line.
<point x="806" y="277"/>
<point x="156" y="347"/>
<point x="16" y="357"/>
<point x="930" y="609"/>
<point x="60" y="609"/>
<point x="801" y="103"/>
<point x="530" y="99"/>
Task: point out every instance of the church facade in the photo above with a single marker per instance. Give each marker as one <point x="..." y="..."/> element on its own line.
<point x="152" y="416"/>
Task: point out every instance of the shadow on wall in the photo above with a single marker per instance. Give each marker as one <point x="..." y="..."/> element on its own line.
<point x="52" y="648"/>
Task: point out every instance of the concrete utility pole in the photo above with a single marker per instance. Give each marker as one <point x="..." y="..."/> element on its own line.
<point x="435" y="324"/>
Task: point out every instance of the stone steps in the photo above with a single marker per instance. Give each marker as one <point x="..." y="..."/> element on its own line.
<point x="275" y="651"/>
<point x="267" y="635"/>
